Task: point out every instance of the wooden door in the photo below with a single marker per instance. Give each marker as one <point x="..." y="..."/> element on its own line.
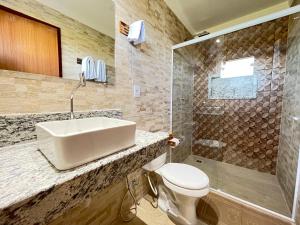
<point x="28" y="45"/>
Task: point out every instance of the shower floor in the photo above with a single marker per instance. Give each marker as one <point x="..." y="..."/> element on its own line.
<point x="250" y="185"/>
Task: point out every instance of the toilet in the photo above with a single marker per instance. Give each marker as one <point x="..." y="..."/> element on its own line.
<point x="181" y="188"/>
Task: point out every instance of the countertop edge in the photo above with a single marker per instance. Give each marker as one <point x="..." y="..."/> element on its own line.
<point x="62" y="196"/>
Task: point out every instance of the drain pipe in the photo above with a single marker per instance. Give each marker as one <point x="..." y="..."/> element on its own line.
<point x="129" y="191"/>
<point x="153" y="187"/>
<point x="154" y="190"/>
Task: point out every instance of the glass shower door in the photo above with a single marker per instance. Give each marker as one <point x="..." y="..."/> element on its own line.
<point x="182" y="104"/>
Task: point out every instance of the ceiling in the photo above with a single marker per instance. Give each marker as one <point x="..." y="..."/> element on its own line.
<point x="198" y="15"/>
<point x="98" y="14"/>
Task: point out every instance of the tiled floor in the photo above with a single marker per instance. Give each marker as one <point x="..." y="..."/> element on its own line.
<point x="213" y="210"/>
<point x="147" y="215"/>
<point x="259" y="188"/>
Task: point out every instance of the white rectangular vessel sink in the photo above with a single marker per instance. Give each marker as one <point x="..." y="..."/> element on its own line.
<point x="70" y="143"/>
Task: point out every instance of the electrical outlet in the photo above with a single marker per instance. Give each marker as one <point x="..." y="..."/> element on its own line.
<point x="136" y="91"/>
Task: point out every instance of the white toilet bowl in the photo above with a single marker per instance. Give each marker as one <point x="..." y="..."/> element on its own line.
<point x="183" y="186"/>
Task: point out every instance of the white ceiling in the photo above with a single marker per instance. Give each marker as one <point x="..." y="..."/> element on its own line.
<point x="198" y="15"/>
<point x="98" y="14"/>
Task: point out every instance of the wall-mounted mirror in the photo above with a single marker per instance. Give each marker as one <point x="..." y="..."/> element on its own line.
<point x="58" y="38"/>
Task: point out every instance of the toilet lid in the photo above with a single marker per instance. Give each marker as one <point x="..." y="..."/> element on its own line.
<point x="184" y="176"/>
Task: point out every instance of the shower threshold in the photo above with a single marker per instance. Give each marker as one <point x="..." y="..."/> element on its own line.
<point x="251" y="186"/>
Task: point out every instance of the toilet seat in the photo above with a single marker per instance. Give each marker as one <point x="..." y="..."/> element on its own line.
<point x="185" y="179"/>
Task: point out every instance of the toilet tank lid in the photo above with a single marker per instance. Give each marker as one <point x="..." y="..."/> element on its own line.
<point x="185" y="176"/>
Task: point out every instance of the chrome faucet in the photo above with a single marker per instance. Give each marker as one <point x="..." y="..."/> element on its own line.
<point x="81" y="83"/>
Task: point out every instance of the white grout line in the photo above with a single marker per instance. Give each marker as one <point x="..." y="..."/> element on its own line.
<point x="241" y="26"/>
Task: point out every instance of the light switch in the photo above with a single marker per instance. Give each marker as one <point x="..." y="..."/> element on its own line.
<point x="136" y="90"/>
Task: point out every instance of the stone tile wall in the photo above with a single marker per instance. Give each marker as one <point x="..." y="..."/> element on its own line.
<point x="20" y="128"/>
<point x="148" y="65"/>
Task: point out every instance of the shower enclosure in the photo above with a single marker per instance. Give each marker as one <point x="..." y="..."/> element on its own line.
<point x="236" y="108"/>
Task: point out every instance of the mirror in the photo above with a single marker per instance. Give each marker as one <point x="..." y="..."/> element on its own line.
<point x="59" y="38"/>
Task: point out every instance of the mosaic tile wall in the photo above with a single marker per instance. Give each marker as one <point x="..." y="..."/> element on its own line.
<point x="289" y="141"/>
<point x="247" y="131"/>
<point x="77" y="39"/>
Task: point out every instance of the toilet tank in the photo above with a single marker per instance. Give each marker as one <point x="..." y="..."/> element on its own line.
<point x="156" y="163"/>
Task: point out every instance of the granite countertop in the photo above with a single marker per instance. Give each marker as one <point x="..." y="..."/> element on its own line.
<point x="28" y="181"/>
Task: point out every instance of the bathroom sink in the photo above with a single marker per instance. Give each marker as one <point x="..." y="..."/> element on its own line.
<point x="70" y="143"/>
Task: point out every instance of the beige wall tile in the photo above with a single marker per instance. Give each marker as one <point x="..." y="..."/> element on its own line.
<point x="77" y="39"/>
<point x="148" y="65"/>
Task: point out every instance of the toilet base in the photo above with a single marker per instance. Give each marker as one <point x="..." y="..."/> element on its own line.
<point x="188" y="208"/>
<point x="180" y="209"/>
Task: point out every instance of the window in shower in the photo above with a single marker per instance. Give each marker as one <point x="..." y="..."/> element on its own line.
<point x="238" y="68"/>
<point x="235" y="81"/>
